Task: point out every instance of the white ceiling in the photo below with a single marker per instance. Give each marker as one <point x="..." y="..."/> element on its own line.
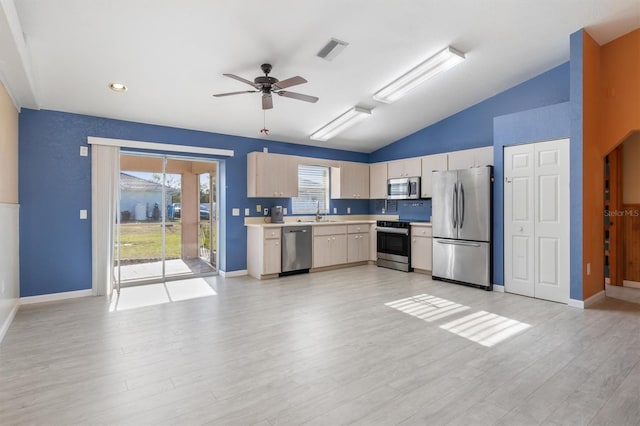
<point x="172" y="54"/>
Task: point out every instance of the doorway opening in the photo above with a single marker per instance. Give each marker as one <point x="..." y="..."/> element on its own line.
<point x="622" y="220"/>
<point x="166" y="227"/>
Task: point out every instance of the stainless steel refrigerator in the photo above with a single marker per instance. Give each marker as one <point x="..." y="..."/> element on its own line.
<point x="461" y="220"/>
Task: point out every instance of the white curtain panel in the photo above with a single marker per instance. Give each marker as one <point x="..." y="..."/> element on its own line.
<point x="105" y="193"/>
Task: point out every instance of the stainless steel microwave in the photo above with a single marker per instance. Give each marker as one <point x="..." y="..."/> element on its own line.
<point x="403" y="188"/>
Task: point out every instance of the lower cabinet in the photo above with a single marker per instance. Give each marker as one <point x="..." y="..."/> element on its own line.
<point x="421" y="247"/>
<point x="264" y="251"/>
<point x="357" y="243"/>
<point x="329" y="245"/>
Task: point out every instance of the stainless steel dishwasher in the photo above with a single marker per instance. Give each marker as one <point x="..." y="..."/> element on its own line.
<point x="296" y="249"/>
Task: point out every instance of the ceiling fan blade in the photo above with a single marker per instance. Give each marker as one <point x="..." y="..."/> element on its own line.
<point x="293" y="81"/>
<point x="244" y="80"/>
<point x="298" y="96"/>
<point x="267" y="101"/>
<point x="217" y="95"/>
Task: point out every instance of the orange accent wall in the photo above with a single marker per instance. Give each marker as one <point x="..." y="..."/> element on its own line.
<point x="611" y="108"/>
<point x="593" y="173"/>
<point x="620" y="73"/>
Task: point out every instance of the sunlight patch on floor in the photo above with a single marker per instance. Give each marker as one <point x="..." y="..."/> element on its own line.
<point x="485" y="328"/>
<point x="426" y="307"/>
<point x="158" y="294"/>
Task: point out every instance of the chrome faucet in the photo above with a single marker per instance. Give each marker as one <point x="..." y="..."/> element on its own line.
<point x="318" y="215"/>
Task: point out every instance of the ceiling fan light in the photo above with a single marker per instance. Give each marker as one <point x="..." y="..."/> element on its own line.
<point x="441" y="61"/>
<point x="341" y="123"/>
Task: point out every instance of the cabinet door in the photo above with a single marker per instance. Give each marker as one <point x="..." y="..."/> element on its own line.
<point x="378" y="181"/>
<point x="357" y="247"/>
<point x="321" y="251"/>
<point x="272" y="256"/>
<point x="421" y="253"/>
<point x="395" y="169"/>
<point x="461" y="159"/>
<point x="338" y="249"/>
<point x="484" y="156"/>
<point x="431" y="163"/>
<point x="288" y="182"/>
<point x="412" y="167"/>
<point x="352" y="180"/>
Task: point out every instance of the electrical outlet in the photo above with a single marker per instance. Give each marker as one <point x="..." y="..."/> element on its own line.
<point x="83" y="214"/>
<point x="84" y="151"/>
<point x="348" y="210"/>
<point x="284" y="210"/>
<point x="335" y="210"/>
<point x="246" y="212"/>
<point x="266" y="212"/>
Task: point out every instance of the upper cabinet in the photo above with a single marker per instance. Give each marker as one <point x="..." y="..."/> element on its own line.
<point x="407" y="167"/>
<point x="272" y="175"/>
<point x="350" y="181"/>
<point x="431" y="163"/>
<point x="378" y="181"/>
<point x="467" y="158"/>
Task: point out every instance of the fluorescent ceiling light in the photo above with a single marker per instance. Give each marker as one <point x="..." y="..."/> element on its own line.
<point x="439" y="62"/>
<point x="341" y="123"/>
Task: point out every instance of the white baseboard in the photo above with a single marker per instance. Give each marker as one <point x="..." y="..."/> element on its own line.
<point x="632" y="284"/>
<point x="584" y="304"/>
<point x="576" y="303"/>
<point x="628" y="294"/>
<point x="7" y="322"/>
<point x="232" y="274"/>
<point x="498" y="288"/>
<point x="55" y="296"/>
<point x="594" y="299"/>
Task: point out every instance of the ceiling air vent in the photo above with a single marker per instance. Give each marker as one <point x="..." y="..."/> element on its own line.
<point x="332" y="49"/>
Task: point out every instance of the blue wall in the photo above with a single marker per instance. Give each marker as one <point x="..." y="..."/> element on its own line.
<point x="576" y="163"/>
<point x="473" y="127"/>
<point x="55" y="183"/>
<point x="546" y="123"/>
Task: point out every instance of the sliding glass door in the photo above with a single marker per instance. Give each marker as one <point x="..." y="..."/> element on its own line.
<point x="165" y="207"/>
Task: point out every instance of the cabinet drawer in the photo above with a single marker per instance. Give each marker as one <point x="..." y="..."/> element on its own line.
<point x="421" y="231"/>
<point x="329" y="229"/>
<point x="358" y="228"/>
<point x="272" y="233"/>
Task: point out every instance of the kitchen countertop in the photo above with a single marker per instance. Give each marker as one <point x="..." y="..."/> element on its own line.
<point x="311" y="223"/>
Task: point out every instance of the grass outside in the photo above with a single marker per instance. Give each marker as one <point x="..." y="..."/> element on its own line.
<point x="143" y="241"/>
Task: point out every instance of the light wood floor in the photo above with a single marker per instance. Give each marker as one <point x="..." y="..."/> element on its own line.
<point x="323" y="348"/>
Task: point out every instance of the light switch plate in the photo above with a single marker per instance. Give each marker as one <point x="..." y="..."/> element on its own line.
<point x="235" y="212"/>
<point x="84" y="151"/>
<point x="246" y="212"/>
<point x="83" y="214"/>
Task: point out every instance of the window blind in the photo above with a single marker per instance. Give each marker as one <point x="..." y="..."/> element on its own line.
<point x="313" y="188"/>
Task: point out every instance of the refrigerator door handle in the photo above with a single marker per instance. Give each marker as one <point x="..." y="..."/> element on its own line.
<point x="462" y="203"/>
<point x="454" y="207"/>
<point x="458" y="243"/>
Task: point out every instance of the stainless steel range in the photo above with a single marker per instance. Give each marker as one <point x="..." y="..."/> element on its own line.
<point x="394" y="246"/>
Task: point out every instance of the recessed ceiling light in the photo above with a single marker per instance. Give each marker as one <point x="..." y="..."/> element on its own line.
<point x="118" y="87"/>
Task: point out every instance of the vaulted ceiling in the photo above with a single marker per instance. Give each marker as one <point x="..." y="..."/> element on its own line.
<point x="61" y="55"/>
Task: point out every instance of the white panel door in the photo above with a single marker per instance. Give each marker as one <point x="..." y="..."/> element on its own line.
<point x="518" y="220"/>
<point x="552" y="220"/>
<point x="536" y="220"/>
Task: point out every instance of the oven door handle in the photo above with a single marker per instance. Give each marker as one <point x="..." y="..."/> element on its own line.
<point x="392" y="230"/>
